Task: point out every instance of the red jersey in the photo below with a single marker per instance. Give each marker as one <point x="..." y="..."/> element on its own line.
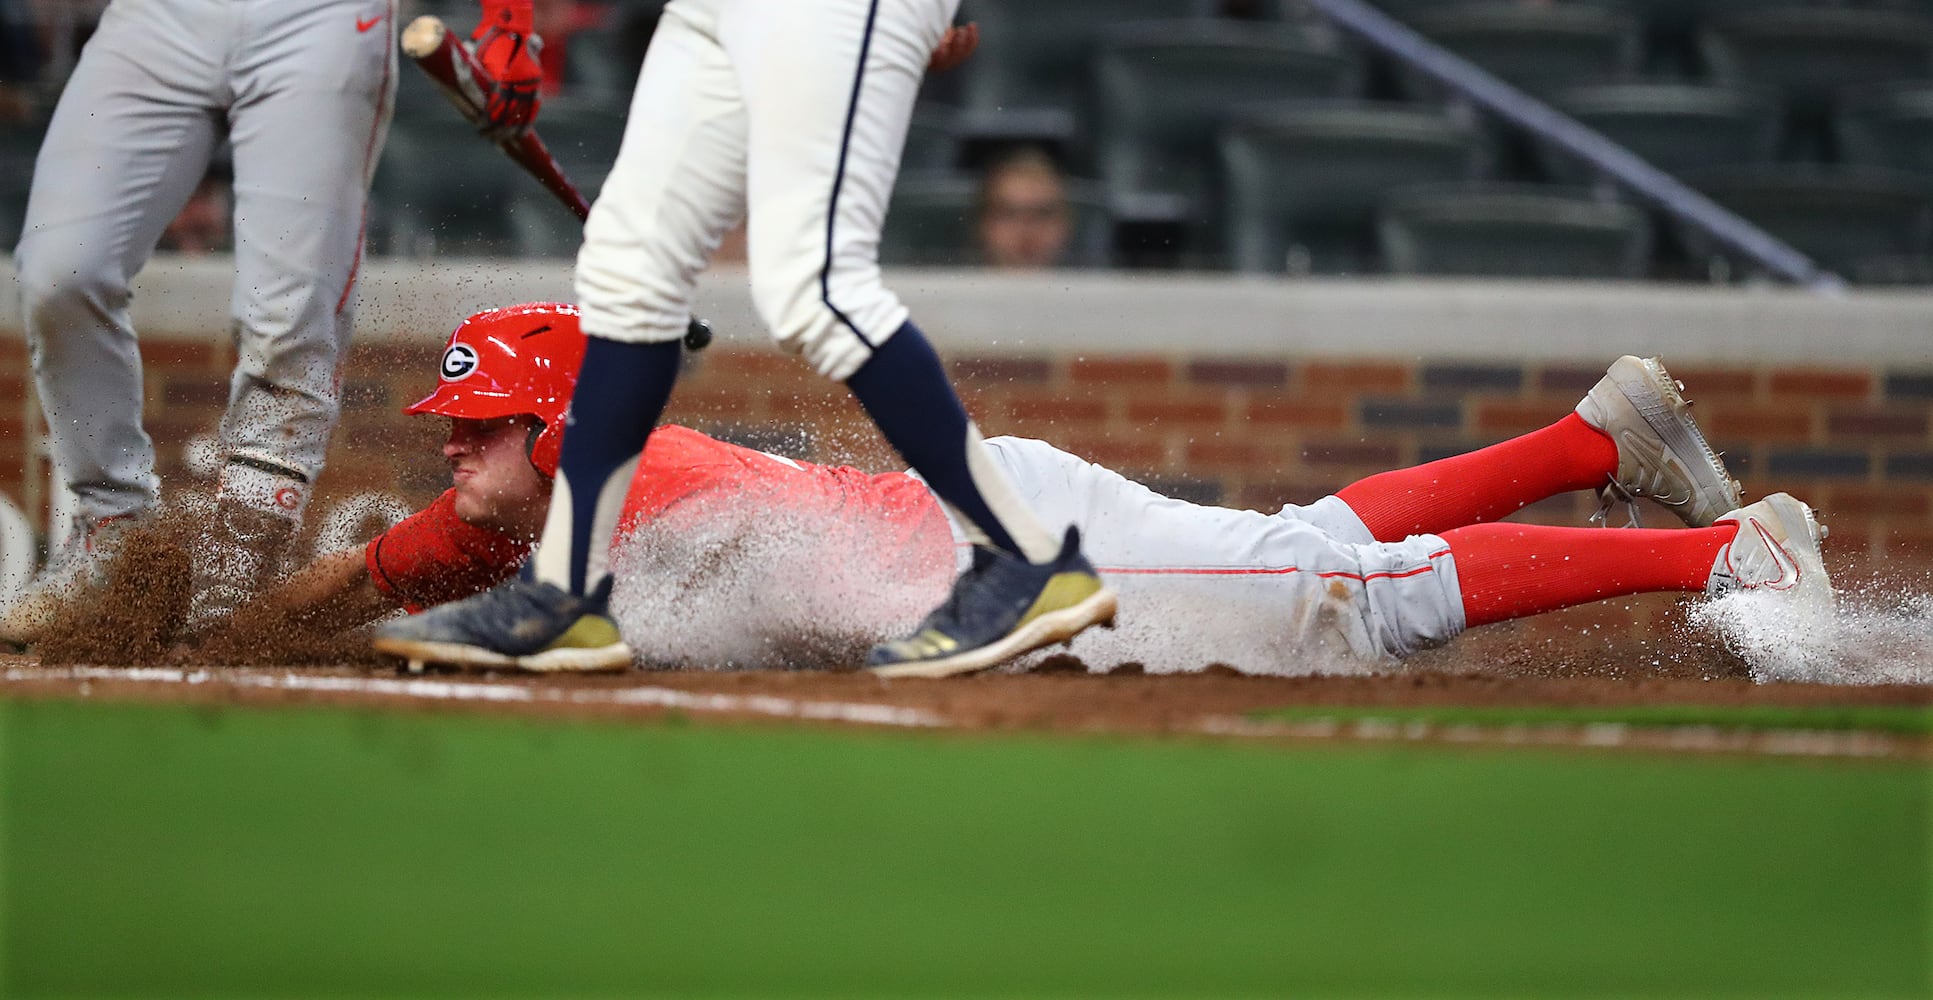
<point x="890" y="523"/>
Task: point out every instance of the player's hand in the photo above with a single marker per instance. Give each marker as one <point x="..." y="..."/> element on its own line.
<point x="506" y="47"/>
<point x="959" y="43"/>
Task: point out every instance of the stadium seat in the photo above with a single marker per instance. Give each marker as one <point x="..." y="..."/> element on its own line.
<point x="13" y="217"/>
<point x="1406" y="9"/>
<point x="1810" y="54"/>
<point x="1518" y="231"/>
<point x="982" y="135"/>
<point x="1167" y="89"/>
<point x="597" y="69"/>
<point x="543" y="226"/>
<point x="932" y="220"/>
<point x="1890" y="125"/>
<point x="1302" y="181"/>
<point x="584" y="136"/>
<point x="418" y="98"/>
<point x="1838" y="216"/>
<point x="1538" y="48"/>
<point x="1893" y="271"/>
<point x="930" y="144"/>
<point x="441" y="190"/>
<point x="19" y="146"/>
<point x="1036" y="53"/>
<point x="1674" y="127"/>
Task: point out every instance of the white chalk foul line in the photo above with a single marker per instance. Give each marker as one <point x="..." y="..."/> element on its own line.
<point x="476" y="691"/>
<point x="1617" y="736"/>
<point x="1595" y="735"/>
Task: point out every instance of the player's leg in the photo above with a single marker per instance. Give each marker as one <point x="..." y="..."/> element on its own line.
<point x="129" y="141"/>
<point x="829" y="90"/>
<point x="1632" y="435"/>
<point x="1258" y="591"/>
<point x="1508" y="571"/>
<point x="677" y="187"/>
<point x="310" y="109"/>
<point x="1336" y="591"/>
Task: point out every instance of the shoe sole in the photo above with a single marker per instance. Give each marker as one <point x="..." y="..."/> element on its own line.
<point x="1652" y="392"/>
<point x="599" y="659"/>
<point x="1054" y="626"/>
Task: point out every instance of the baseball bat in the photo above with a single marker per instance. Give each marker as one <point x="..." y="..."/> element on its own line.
<point x="428" y="41"/>
<point x="454" y="70"/>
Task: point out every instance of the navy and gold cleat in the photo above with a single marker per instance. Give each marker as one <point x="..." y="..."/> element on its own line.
<point x="517" y="625"/>
<point x="1001" y="607"/>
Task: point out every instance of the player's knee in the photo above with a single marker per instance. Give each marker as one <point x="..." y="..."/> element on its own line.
<point x="834" y="332"/>
<point x="58" y="280"/>
<point x="793" y="311"/>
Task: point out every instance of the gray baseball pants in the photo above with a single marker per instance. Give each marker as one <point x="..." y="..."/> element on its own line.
<point x="303" y="89"/>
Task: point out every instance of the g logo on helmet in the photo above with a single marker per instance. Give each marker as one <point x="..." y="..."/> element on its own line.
<point x="459" y="362"/>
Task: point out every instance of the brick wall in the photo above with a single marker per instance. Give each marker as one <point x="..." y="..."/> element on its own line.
<point x="1855" y="441"/>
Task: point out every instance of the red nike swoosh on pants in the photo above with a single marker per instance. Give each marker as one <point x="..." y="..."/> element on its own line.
<point x="362" y="25"/>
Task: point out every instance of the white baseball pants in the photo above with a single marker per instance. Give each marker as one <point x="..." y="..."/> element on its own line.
<point x="303" y="89"/>
<point x="795" y="109"/>
<point x="1303" y="590"/>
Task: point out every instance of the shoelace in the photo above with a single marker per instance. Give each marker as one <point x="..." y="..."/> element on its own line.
<point x="1609" y="497"/>
<point x="949" y="609"/>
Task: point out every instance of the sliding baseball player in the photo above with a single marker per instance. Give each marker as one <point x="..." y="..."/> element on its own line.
<point x="302" y="89"/>
<point x="790" y="117"/>
<point x="729" y="555"/>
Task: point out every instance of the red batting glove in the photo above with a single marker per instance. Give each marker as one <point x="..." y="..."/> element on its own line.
<point x="955" y="47"/>
<point x="506" y="47"/>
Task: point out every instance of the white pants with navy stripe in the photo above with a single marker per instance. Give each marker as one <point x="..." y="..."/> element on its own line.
<point x="1303" y="590"/>
<point x="793" y="109"/>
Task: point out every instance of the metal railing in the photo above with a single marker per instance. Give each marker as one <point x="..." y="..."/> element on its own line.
<point x="1485" y="90"/>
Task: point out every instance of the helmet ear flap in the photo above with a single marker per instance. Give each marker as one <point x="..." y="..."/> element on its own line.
<point x="534" y="433"/>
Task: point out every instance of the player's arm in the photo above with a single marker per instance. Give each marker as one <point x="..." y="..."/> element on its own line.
<point x="428" y="558"/>
<point x="332" y="594"/>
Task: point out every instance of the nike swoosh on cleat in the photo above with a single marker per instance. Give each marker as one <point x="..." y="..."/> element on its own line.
<point x="1788" y="567"/>
<point x="363" y="26"/>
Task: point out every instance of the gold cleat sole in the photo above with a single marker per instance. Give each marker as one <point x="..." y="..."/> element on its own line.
<point x="1045" y="629"/>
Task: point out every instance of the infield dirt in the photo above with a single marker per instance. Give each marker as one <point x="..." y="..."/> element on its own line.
<point x="1636" y="651"/>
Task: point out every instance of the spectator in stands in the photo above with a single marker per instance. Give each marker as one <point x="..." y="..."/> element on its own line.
<point x="1024" y="220"/>
<point x="202" y="224"/>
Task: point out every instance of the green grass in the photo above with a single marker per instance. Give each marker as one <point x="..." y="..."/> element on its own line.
<point x="1901" y="720"/>
<point x="206" y="851"/>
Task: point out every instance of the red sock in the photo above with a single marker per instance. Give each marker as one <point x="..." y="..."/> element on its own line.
<point x="1489" y="484"/>
<point x="1517" y="570"/>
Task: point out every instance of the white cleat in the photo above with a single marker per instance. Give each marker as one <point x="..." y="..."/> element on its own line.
<point x="239" y="552"/>
<point x="1661" y="453"/>
<point x="76" y="568"/>
<point x="1776" y="549"/>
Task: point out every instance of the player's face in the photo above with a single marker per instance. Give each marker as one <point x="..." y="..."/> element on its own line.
<point x="1026" y="222"/>
<point x="496" y="486"/>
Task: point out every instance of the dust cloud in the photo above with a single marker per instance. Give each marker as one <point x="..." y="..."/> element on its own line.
<point x="1878" y="630"/>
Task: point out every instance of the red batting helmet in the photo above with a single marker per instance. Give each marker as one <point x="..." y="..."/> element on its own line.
<point x="508" y="362"/>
